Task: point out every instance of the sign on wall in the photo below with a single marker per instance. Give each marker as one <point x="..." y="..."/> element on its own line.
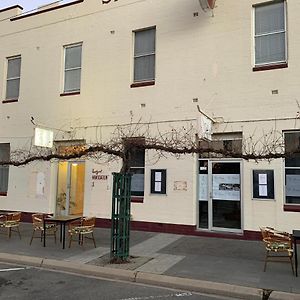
<point x="43" y="137"/>
<point x="263" y="184"/>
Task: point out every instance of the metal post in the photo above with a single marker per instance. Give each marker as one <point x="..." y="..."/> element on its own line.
<point x="120" y="217"/>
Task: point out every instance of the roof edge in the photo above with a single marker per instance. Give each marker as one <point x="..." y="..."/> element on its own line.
<point x="11" y="7"/>
<point x="45" y="10"/>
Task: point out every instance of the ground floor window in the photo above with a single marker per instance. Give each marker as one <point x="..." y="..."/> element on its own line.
<point x="4" y="170"/>
<point x="292" y="167"/>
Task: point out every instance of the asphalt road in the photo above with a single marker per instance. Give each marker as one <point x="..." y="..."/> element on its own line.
<point x="19" y="283"/>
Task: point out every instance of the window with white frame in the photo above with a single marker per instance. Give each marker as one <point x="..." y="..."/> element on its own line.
<point x="292" y="167"/>
<point x="13" y="78"/>
<point x="72" y="74"/>
<point x="144" y="55"/>
<point x="270" y="33"/>
<point x="4" y="169"/>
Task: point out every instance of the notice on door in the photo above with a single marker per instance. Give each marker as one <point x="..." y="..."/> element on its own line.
<point x="203" y="187"/>
<point x="226" y="187"/>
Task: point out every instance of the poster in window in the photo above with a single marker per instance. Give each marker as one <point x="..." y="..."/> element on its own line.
<point x="262" y="178"/>
<point x="203" y="187"/>
<point x="226" y="187"/>
<point x="292" y="188"/>
<point x="157" y="176"/>
<point x="157" y="187"/>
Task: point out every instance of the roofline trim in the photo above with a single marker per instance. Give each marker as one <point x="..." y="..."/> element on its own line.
<point x="45" y="10"/>
<point x="10" y="7"/>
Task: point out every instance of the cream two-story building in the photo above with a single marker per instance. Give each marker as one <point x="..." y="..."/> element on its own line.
<point x="88" y="71"/>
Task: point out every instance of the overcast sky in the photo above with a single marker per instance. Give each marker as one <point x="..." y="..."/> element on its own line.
<point x="27" y="4"/>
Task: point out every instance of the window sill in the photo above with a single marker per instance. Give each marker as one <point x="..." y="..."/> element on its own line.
<point x="69" y="94"/>
<point x="3" y="194"/>
<point x="10" y="101"/>
<point x="270" y="67"/>
<point x="291" y="207"/>
<point x="135" y="199"/>
<point x="142" y="84"/>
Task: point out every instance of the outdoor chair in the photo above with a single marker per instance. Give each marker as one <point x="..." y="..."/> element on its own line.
<point x="278" y="244"/>
<point x="11" y="222"/>
<point x="83" y="229"/>
<point x="2" y="221"/>
<point x="37" y="223"/>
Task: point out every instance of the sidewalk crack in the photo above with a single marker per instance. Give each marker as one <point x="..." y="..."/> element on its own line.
<point x="135" y="276"/>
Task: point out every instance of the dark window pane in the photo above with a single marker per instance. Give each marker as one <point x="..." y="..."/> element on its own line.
<point x="73" y="57"/>
<point x="144" y="42"/>
<point x="14" y="67"/>
<point x="227" y="214"/>
<point x="292" y="149"/>
<point x="144" y="68"/>
<point x="12" y="89"/>
<point x="4" y="170"/>
<point x="203" y="214"/>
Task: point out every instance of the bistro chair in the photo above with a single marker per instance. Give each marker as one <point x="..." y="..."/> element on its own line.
<point x="11" y="222"/>
<point x="38" y="226"/>
<point x="279" y="246"/>
<point x="83" y="229"/>
<point x="3" y="219"/>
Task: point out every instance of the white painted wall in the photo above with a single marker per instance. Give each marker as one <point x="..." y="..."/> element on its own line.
<point x="205" y="57"/>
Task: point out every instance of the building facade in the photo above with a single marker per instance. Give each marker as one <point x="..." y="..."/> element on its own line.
<point x="88" y="71"/>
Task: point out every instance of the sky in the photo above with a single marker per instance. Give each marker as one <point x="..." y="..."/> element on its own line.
<point x="27" y="4"/>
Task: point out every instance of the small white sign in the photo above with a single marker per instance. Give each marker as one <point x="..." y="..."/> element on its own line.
<point x="262" y="179"/>
<point x="263" y="190"/>
<point x="157" y="176"/>
<point x="43" y="138"/>
<point x="157" y="187"/>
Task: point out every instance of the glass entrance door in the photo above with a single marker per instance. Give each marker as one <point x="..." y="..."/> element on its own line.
<point x="220" y="195"/>
<point x="70" y="188"/>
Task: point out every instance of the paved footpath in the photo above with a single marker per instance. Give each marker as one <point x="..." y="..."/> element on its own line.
<point x="208" y="265"/>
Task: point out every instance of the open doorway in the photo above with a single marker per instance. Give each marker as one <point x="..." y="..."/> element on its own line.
<point x="70" y="188"/>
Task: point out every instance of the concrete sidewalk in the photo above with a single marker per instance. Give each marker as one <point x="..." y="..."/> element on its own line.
<point x="210" y="265"/>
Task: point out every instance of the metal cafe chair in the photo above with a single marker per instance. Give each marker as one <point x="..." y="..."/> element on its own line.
<point x="38" y="226"/>
<point x="279" y="246"/>
<point x="83" y="229"/>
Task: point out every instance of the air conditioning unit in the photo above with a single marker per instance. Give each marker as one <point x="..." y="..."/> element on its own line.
<point x="207" y="5"/>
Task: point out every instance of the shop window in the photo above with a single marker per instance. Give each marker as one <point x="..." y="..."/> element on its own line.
<point x="292" y="167"/>
<point x="136" y="161"/>
<point x="4" y="170"/>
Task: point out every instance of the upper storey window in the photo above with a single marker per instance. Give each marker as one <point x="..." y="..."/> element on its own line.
<point x="72" y="74"/>
<point x="144" y="55"/>
<point x="13" y="78"/>
<point x="270" y="33"/>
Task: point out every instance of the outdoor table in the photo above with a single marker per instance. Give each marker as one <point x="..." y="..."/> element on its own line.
<point x="62" y="220"/>
<point x="296" y="236"/>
